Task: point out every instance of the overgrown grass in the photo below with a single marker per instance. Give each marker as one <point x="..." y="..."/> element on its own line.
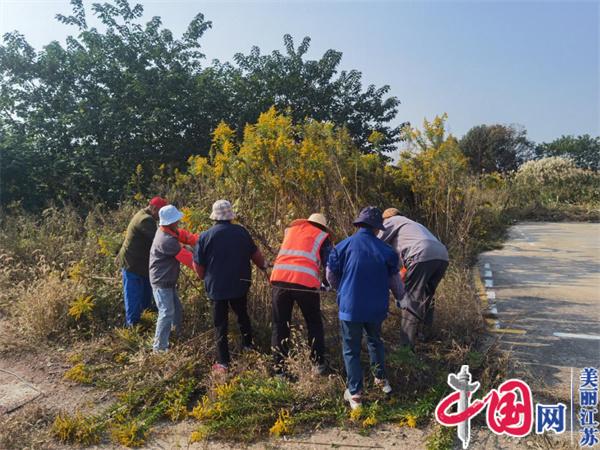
<point x="248" y="403"/>
<point x="86" y="318"/>
<point x="442" y="438"/>
<point x="59" y="287"/>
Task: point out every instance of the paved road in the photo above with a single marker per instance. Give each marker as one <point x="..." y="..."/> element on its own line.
<point x="546" y="280"/>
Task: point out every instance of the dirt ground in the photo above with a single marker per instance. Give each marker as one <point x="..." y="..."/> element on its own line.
<point x="44" y="371"/>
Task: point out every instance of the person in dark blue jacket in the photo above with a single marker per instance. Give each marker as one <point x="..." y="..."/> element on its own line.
<point x="364" y="269"/>
<point x="222" y="259"/>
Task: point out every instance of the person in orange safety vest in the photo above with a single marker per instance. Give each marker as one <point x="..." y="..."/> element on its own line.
<point x="296" y="278"/>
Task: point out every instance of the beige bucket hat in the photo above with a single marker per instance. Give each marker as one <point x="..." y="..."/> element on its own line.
<point x="222" y="210"/>
<point x="390" y="212"/>
<point x="318" y="219"/>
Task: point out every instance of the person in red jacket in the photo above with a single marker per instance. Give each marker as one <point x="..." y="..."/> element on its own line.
<point x="134" y="256"/>
<point x="295" y="278"/>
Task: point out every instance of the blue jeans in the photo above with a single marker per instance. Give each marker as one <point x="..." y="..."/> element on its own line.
<point x="170" y="314"/>
<point x="137" y="293"/>
<point x="352" y="333"/>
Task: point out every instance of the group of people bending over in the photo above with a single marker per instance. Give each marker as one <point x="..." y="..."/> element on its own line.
<point x="388" y="252"/>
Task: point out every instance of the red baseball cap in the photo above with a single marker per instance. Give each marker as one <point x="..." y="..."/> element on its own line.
<point x="158" y="202"/>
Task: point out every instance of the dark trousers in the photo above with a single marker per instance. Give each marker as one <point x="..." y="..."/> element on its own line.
<point x="421" y="281"/>
<point x="310" y="304"/>
<point x="221" y="322"/>
<point x="352" y="333"/>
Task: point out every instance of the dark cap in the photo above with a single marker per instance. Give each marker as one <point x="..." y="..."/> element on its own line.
<point x="370" y="216"/>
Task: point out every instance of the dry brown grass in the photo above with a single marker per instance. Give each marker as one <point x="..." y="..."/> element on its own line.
<point x="41" y="312"/>
<point x="457" y="306"/>
<point x="26" y="429"/>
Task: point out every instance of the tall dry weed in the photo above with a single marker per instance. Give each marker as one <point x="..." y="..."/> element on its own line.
<point x="25" y="429"/>
<point x="458" y="306"/>
<point x="41" y="311"/>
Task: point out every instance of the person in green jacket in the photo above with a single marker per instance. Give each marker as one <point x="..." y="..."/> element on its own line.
<point x="134" y="258"/>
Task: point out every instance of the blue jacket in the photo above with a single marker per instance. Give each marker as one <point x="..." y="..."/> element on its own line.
<point x="363" y="264"/>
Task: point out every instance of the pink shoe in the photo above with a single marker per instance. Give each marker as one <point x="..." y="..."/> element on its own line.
<point x="219" y="368"/>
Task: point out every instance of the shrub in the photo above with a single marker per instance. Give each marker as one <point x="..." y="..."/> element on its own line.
<point x="457" y="206"/>
<point x="555" y="180"/>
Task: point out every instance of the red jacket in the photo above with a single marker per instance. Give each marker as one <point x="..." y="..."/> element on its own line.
<point x="185" y="238"/>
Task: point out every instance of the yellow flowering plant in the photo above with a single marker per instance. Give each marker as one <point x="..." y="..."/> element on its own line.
<point x="283" y="425"/>
<point x="82" y="307"/>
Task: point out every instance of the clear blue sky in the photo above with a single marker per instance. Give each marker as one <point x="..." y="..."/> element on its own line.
<point x="530" y="63"/>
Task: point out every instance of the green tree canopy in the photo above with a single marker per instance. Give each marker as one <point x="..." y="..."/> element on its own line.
<point x="496" y="148"/>
<point x="76" y="120"/>
<point x="583" y="150"/>
<point x="310" y="89"/>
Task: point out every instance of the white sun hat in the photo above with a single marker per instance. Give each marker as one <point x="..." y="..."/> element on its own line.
<point x="169" y="215"/>
<point x="222" y="210"/>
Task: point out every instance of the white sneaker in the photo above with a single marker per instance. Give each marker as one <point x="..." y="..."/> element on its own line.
<point x="384" y="385"/>
<point x="354" y="400"/>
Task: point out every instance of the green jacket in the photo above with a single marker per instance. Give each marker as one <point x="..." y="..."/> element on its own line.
<point x="134" y="255"/>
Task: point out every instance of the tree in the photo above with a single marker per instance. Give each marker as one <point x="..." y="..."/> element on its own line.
<point x="77" y="121"/>
<point x="496" y="148"/>
<point x="438" y="173"/>
<point x="311" y="89"/>
<point x="583" y="150"/>
<point x="87" y="114"/>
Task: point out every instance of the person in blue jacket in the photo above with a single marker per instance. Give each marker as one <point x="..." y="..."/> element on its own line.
<point x="364" y="269"/>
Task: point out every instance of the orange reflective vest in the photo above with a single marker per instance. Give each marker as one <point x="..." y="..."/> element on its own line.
<point x="298" y="260"/>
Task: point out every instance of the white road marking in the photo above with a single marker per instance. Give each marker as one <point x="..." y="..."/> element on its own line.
<point x="491" y="295"/>
<point x="592" y="337"/>
<point x="488" y="274"/>
<point x="487" y="266"/>
<point x="489" y="283"/>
